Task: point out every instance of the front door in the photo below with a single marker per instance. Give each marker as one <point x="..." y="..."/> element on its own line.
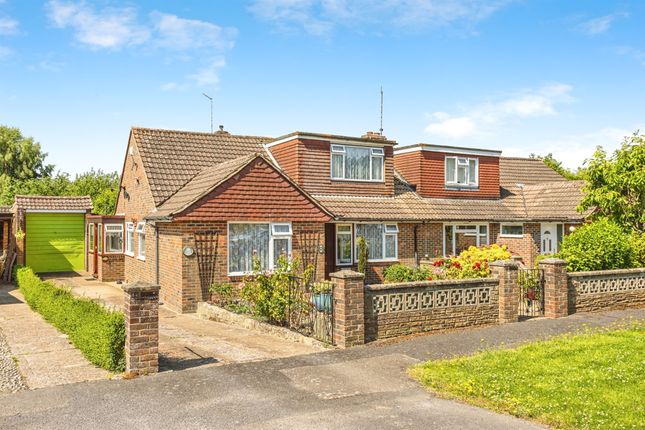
<point x="549" y="239"/>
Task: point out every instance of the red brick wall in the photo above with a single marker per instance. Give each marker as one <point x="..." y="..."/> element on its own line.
<point x="309" y="162"/>
<point x="4" y="225"/>
<point x="426" y="170"/>
<point x="111" y="267"/>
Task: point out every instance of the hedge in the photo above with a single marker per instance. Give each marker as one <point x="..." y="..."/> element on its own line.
<point x="96" y="331"/>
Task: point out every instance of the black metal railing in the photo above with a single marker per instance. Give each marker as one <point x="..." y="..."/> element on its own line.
<point x="531" y="299"/>
<point x="311" y="309"/>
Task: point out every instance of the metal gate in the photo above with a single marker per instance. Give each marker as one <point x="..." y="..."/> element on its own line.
<point x="531" y="283"/>
<point x="311" y="309"/>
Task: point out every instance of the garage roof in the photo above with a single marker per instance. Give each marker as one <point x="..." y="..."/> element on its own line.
<point x="54" y="203"/>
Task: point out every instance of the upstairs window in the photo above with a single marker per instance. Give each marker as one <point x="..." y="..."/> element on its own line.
<point x="462" y="171"/>
<point x="356" y="163"/>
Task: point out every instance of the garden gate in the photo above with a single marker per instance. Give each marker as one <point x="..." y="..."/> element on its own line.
<point x="531" y="286"/>
<point x="311" y="308"/>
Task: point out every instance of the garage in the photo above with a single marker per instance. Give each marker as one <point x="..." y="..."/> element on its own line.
<point x="55" y="242"/>
<point x="51" y="232"/>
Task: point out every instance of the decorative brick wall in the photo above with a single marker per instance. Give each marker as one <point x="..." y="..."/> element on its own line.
<point x="141" y="328"/>
<point x="349" y="311"/>
<point x="400" y="309"/>
<point x="606" y="290"/>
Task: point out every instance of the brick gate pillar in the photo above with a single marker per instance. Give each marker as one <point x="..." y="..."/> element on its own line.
<point x="509" y="291"/>
<point x="141" y="328"/>
<point x="349" y="308"/>
<point x="556" y="287"/>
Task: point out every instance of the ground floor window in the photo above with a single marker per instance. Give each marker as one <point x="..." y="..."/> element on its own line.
<point x="113" y="238"/>
<point x="99" y="238"/>
<point x="512" y="230"/>
<point x="141" y="239"/>
<point x="343" y="244"/>
<point x="90" y="240"/>
<point x="129" y="238"/>
<point x="264" y="241"/>
<point x="382" y="241"/>
<point x="459" y="237"/>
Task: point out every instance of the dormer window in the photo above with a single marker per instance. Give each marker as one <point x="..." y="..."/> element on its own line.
<point x="355" y="163"/>
<point x="462" y="172"/>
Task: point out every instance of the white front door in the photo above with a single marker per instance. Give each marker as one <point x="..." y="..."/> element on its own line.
<point x="549" y="238"/>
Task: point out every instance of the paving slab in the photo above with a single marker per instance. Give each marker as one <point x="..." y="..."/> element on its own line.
<point x="44" y="356"/>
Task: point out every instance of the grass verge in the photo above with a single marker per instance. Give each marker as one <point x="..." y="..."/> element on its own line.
<point x="97" y="332"/>
<point x="589" y="380"/>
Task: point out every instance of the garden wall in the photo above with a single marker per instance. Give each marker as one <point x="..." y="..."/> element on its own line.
<point x="606" y="290"/>
<point x="415" y="307"/>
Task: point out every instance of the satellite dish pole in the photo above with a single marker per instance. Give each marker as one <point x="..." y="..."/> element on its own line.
<point x="381" y="129"/>
<point x="211" y="100"/>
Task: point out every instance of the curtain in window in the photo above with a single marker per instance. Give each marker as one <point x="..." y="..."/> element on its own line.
<point x="245" y="240"/>
<point x="337" y="166"/>
<point x="377" y="168"/>
<point x="280" y="248"/>
<point x="344" y="245"/>
<point x="450" y="169"/>
<point x="461" y="175"/>
<point x="357" y="163"/>
<point x="472" y="171"/>
<point x="113" y="241"/>
<point x="373" y="234"/>
<point x="390" y="246"/>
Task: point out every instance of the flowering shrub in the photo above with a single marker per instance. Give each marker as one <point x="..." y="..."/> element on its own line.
<point x="471" y="263"/>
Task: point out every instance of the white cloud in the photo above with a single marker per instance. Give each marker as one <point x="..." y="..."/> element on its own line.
<point x="8" y="26"/>
<point x="209" y="75"/>
<point x="319" y="17"/>
<point x="599" y="25"/>
<point x="484" y="117"/>
<point x="168" y="86"/>
<point x="111" y="28"/>
<point x="181" y="34"/>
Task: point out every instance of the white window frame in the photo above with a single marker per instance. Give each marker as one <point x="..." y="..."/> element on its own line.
<point x="375" y="153"/>
<point x="141" y="231"/>
<point x="455" y="180"/>
<point x="507" y="224"/>
<point x="273" y="234"/>
<point x="352" y="242"/>
<point x="115" y="228"/>
<point x="392" y="232"/>
<point x="129" y="229"/>
<point x="477" y="231"/>
<point x="91" y="239"/>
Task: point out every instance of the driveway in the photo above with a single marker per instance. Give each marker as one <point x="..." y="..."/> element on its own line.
<point x="365" y="387"/>
<point x="186" y="341"/>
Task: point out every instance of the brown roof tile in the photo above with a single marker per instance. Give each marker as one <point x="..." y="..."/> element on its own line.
<point x="553" y="200"/>
<point x="5" y="210"/>
<point x="53" y="203"/>
<point x="527" y="171"/>
<point x="171" y="158"/>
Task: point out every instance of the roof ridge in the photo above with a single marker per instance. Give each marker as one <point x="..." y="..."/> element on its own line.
<point x="32" y="196"/>
<point x="206" y="133"/>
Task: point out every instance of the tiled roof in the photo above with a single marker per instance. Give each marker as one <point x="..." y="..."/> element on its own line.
<point x="171" y="158"/>
<point x="527" y="171"/>
<point x="53" y="203"/>
<point x="5" y="211"/>
<point x="200" y="185"/>
<point x="553" y="200"/>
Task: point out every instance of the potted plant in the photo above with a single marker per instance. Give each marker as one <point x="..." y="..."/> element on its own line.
<point x="322" y="296"/>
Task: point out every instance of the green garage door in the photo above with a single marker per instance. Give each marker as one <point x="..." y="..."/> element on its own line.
<point x="55" y="241"/>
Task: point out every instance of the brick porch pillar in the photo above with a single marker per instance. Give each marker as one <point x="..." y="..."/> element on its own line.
<point x="349" y="308"/>
<point x="509" y="291"/>
<point x="141" y="328"/>
<point x="556" y="287"/>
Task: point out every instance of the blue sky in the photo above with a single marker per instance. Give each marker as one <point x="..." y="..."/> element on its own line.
<point x="523" y="76"/>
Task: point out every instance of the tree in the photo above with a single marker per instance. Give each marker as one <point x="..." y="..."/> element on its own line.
<point x="102" y="187"/>
<point x="20" y="157"/>
<point x="615" y="187"/>
<point x="556" y="165"/>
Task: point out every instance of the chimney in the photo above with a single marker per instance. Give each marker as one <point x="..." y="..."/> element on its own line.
<point x="373" y="135"/>
<point x="221" y="130"/>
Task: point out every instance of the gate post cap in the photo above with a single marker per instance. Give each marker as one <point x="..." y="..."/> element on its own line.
<point x="509" y="264"/>
<point x="554" y="261"/>
<point x="141" y="287"/>
<point x="347" y="274"/>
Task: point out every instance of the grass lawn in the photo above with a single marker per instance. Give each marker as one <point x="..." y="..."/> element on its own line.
<point x="592" y="380"/>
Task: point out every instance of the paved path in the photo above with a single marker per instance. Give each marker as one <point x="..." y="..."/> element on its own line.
<point x="364" y="387"/>
<point x="45" y="356"/>
<point x="186" y="341"/>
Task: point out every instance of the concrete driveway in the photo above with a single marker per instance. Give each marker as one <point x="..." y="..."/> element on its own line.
<point x="186" y="341"/>
<point x="360" y="388"/>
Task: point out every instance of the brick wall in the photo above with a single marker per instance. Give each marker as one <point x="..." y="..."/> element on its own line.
<point x="606" y="290"/>
<point x="4" y="226"/>
<point x="111" y="267"/>
<point x="401" y="309"/>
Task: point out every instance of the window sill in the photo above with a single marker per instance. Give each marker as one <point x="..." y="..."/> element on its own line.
<point x="386" y="260"/>
<point x="456" y="187"/>
<point x="512" y="236"/>
<point x="129" y="254"/>
<point x="365" y="181"/>
<point x="141" y="258"/>
<point x="343" y="264"/>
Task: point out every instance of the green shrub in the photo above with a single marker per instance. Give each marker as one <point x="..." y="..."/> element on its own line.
<point x="601" y="245"/>
<point x="403" y="273"/>
<point x="97" y="332"/>
<point x="362" y="254"/>
<point x="638" y="246"/>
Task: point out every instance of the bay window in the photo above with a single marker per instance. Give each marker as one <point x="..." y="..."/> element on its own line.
<point x="129" y="238"/>
<point x="343" y="244"/>
<point x="113" y="238"/>
<point x="459" y="237"/>
<point x="357" y="163"/>
<point x="382" y="241"/>
<point x="141" y="239"/>
<point x="462" y="171"/>
<point x="264" y="241"/>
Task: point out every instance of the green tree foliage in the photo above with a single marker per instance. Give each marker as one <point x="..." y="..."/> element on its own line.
<point x="20" y="157"/>
<point x="362" y="254"/>
<point x="615" y="187"/>
<point x="102" y="187"/>
<point x="600" y="245"/>
<point x="556" y="165"/>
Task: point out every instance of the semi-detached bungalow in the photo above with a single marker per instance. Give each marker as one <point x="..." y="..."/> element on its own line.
<point x="197" y="207"/>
